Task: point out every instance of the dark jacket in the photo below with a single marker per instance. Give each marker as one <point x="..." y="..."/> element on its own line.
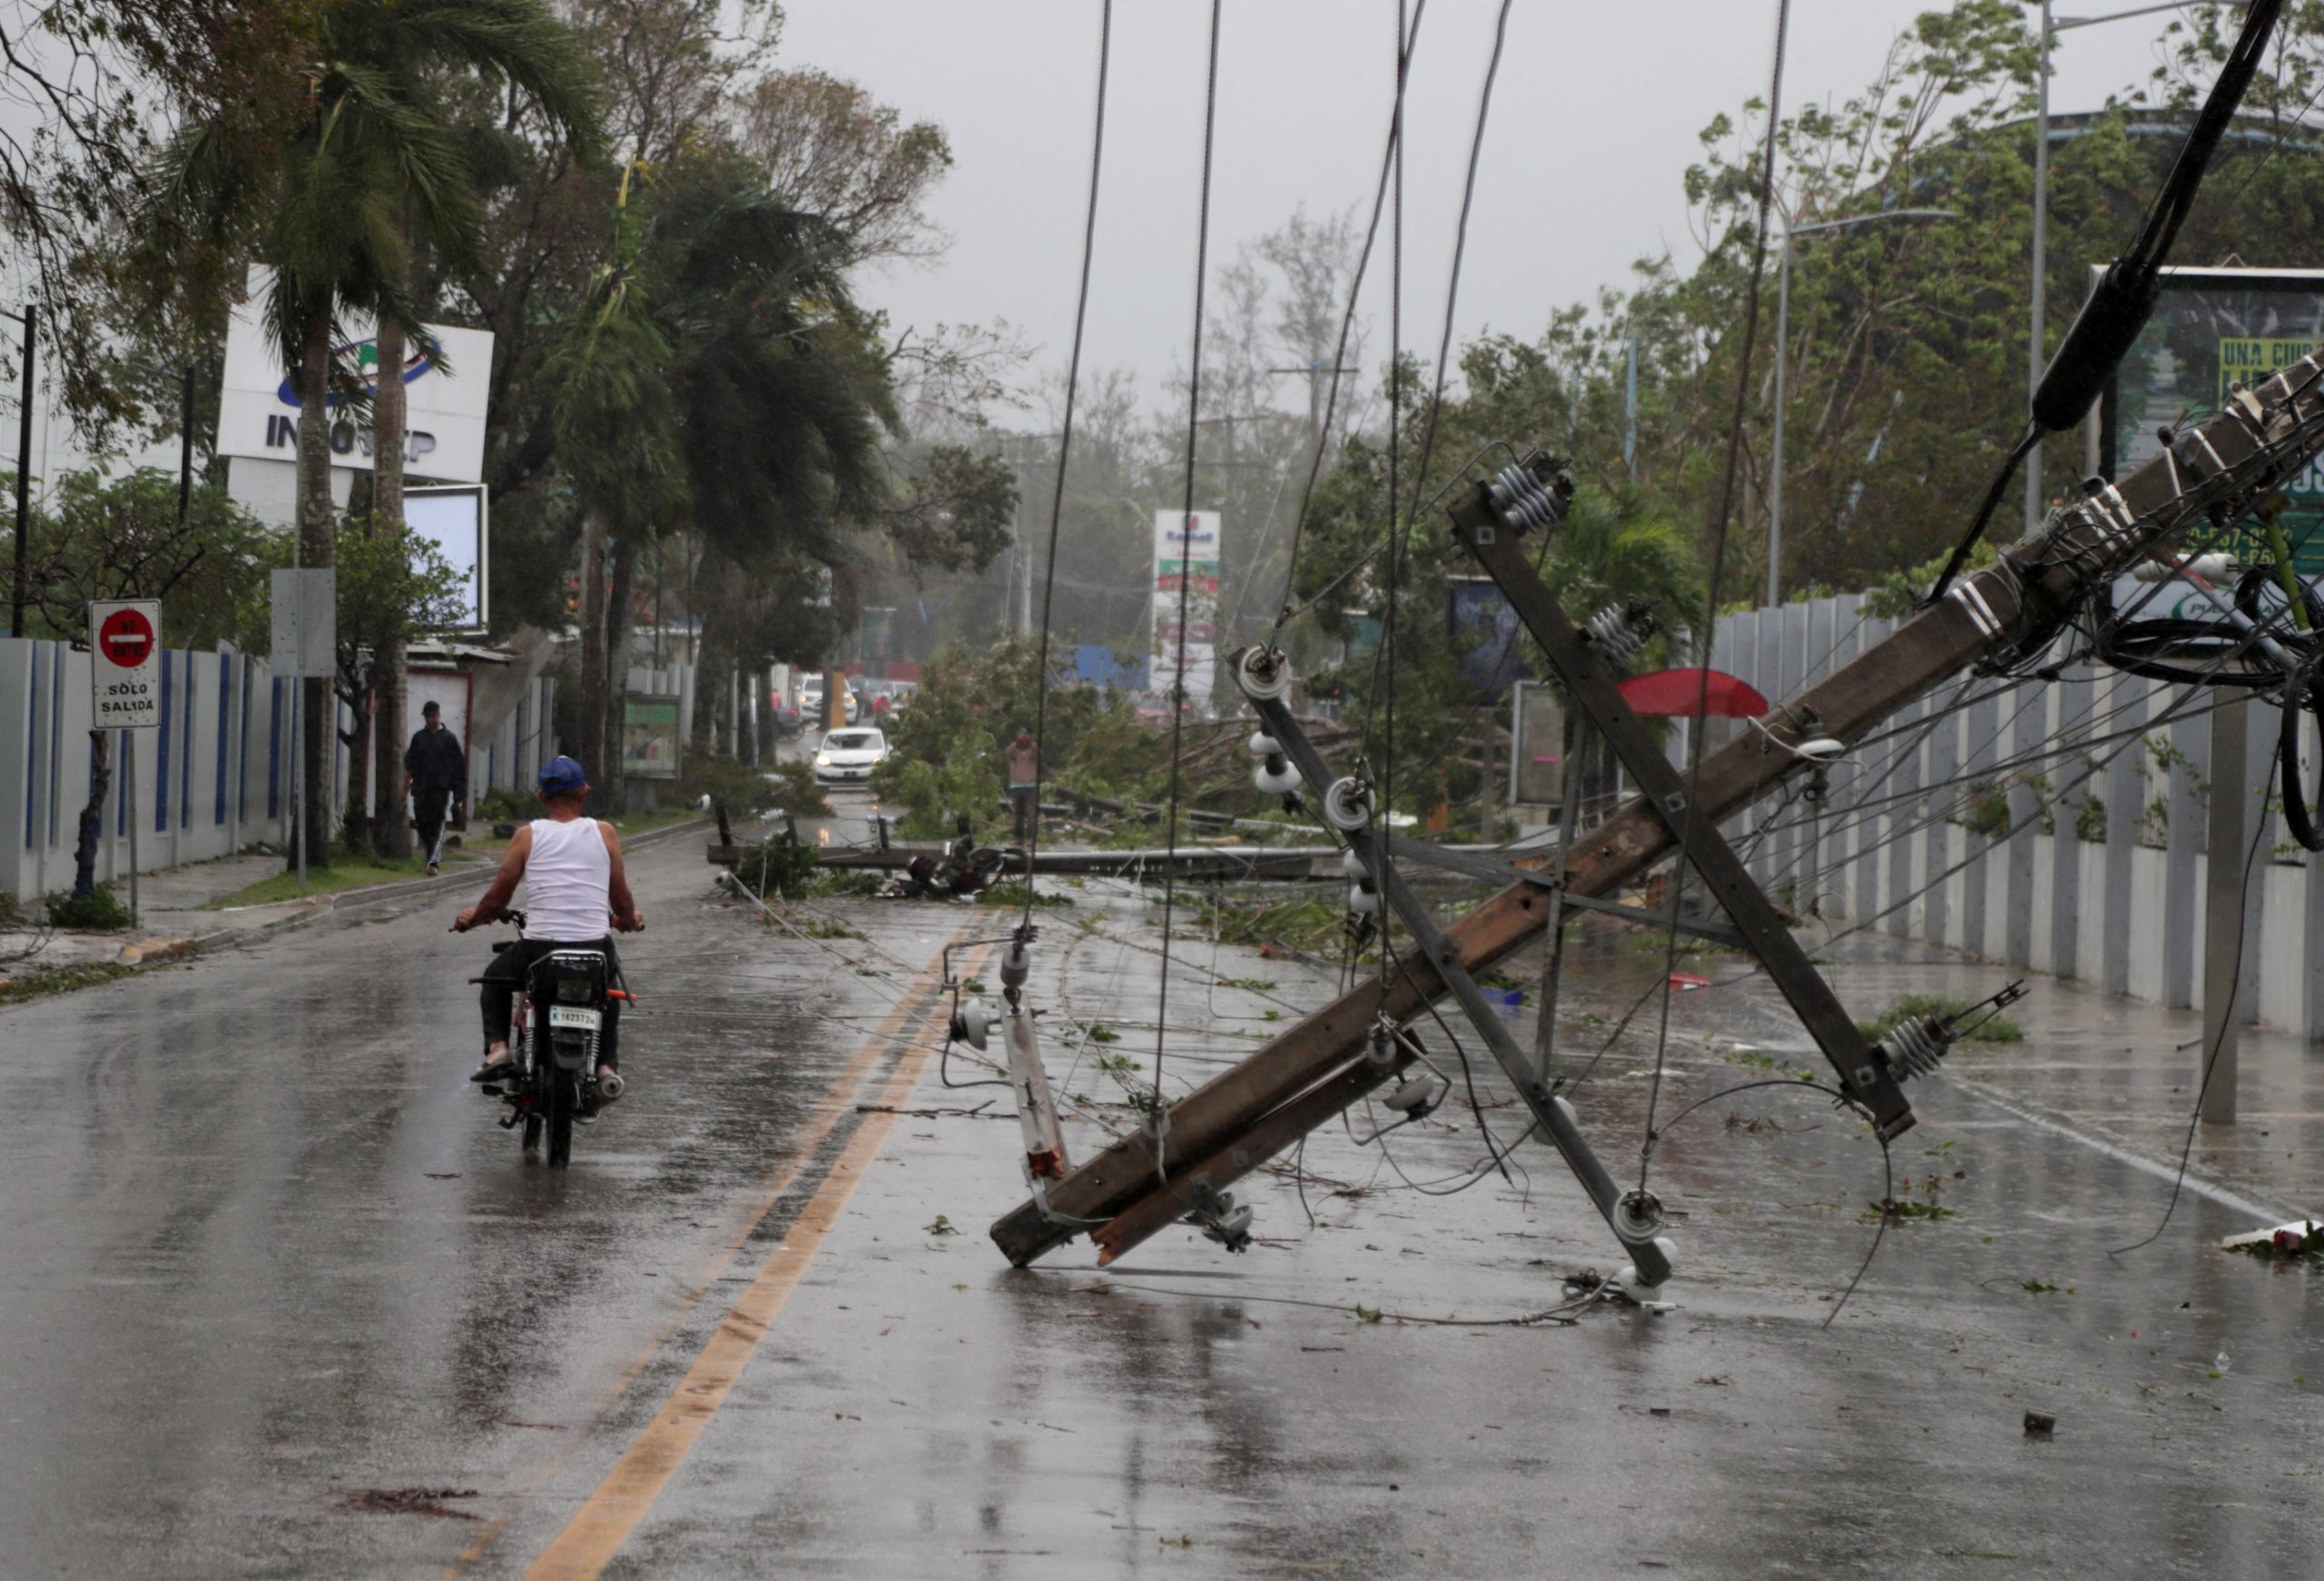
<point x="435" y="763"/>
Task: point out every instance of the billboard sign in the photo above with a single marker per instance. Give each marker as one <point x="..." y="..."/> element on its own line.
<point x="258" y="406"/>
<point x="2210" y="331"/>
<point x="453" y="519"/>
<point x="125" y="649"/>
<point x="1484" y="631"/>
<point x="306" y="623"/>
<point x="1184" y="624"/>
<point x="649" y="737"/>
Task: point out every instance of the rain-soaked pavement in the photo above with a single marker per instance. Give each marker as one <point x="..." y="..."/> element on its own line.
<point x="278" y="1299"/>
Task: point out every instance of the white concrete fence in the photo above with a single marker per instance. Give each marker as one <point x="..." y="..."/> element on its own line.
<point x="213" y="779"/>
<point x="2055" y="824"/>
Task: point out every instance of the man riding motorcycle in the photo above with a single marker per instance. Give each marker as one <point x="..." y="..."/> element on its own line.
<point x="571" y="868"/>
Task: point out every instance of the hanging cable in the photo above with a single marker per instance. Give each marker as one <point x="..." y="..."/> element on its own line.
<point x="1158" y="1116"/>
<point x="1695" y="732"/>
<point x="2226" y="1015"/>
<point x="1064" y="456"/>
<point x="1400" y="535"/>
<point x="1406" y="41"/>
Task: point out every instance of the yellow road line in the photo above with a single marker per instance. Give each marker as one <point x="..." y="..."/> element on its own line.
<point x="829" y="1109"/>
<point x="606" y="1519"/>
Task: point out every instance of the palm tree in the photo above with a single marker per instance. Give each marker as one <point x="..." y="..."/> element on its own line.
<point x="719" y="376"/>
<point x="332" y="197"/>
<point x="617" y="430"/>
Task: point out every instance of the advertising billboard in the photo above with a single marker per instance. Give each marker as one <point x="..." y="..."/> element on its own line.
<point x="1484" y="631"/>
<point x="2212" y="330"/>
<point x="1184" y="624"/>
<point x="454" y="520"/>
<point x="649" y="737"/>
<point x="258" y="405"/>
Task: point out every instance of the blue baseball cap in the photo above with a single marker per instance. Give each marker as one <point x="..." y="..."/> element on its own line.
<point x="562" y="776"/>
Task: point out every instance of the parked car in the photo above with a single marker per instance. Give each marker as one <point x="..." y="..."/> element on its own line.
<point x="849" y="756"/>
<point x="811" y="702"/>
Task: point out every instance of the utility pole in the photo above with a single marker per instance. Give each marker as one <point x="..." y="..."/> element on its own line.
<point x="1314" y="1070"/>
<point x="23" y="469"/>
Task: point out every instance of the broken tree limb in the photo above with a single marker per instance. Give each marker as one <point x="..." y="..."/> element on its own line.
<point x="2011" y="608"/>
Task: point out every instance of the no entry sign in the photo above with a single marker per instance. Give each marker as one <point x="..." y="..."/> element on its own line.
<point x="125" y="642"/>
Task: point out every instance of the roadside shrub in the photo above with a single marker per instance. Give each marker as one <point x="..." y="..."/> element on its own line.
<point x="722" y="778"/>
<point x="776" y="866"/>
<point x="100" y="912"/>
<point x="1999" y="1029"/>
<point x="792" y="787"/>
<point x="505" y="806"/>
<point x="968" y="781"/>
<point x="12" y="915"/>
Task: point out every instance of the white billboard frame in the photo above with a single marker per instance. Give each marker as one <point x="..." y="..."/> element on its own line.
<point x="463" y="537"/>
<point x="258" y="405"/>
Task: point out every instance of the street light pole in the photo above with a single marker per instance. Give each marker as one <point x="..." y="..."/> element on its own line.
<point x="1783" y="327"/>
<point x="2036" y="360"/>
<point x="1775" y="479"/>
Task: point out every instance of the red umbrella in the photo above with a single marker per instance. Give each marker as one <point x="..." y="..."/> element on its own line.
<point x="1675" y="695"/>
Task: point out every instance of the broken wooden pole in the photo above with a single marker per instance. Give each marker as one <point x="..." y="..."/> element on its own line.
<point x="2210" y="471"/>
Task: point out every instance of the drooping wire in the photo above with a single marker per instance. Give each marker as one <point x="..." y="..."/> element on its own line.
<point x="1695" y="731"/>
<point x="1407" y="39"/>
<point x="1400" y="534"/>
<point x="1158" y="1116"/>
<point x="2226" y="1016"/>
<point x="1065" y="455"/>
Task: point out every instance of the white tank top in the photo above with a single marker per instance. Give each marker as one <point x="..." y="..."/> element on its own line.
<point x="566" y="880"/>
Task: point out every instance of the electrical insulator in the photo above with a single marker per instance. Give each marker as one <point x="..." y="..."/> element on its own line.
<point x="1226" y="1221"/>
<point x="1521" y="500"/>
<point x="1263" y="673"/>
<point x="1347" y="805"/>
<point x="1362" y="899"/>
<point x="1914" y="1047"/>
<point x="1351" y="866"/>
<point x="1621" y="630"/>
<point x="1415" y="1100"/>
<point x="971" y="1024"/>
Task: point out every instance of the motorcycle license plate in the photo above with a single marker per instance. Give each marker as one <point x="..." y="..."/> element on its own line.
<point x="578" y="1017"/>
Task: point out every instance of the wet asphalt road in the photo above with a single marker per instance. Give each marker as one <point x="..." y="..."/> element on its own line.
<point x="269" y="1268"/>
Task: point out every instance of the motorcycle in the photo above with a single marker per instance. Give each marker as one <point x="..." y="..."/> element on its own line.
<point x="555" y="1023"/>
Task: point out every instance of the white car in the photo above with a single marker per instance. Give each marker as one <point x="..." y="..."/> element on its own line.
<point x="849" y="756"/>
<point x="811" y="702"/>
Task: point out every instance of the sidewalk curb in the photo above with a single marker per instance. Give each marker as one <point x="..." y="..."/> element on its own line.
<point x="346" y="900"/>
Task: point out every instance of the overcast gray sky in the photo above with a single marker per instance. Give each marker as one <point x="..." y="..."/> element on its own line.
<point x="1595" y="118"/>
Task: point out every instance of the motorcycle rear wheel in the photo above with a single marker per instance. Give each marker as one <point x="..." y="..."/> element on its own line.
<point x="562" y="1097"/>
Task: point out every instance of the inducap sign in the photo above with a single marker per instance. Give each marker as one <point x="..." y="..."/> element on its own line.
<point x="258" y="408"/>
<point x="125" y="639"/>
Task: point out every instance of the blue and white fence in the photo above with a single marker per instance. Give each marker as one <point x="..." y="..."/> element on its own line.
<point x="213" y="779"/>
<point x="2053" y="825"/>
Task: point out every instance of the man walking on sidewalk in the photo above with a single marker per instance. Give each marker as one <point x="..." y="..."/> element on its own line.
<point x="435" y="773"/>
<point x="1024" y="783"/>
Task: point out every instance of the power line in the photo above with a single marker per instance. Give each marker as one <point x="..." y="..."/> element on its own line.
<point x="1064" y="454"/>
<point x="1158" y="1115"/>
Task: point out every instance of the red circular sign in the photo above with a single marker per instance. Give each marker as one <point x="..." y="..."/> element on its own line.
<point x="127" y="638"/>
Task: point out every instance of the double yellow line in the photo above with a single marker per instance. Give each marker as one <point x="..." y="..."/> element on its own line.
<point x="608" y="1516"/>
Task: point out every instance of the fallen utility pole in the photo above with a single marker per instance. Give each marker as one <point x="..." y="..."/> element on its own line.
<point x="2008" y="612"/>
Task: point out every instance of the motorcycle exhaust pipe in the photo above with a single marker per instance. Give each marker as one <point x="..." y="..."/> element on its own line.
<point x="609" y="1086"/>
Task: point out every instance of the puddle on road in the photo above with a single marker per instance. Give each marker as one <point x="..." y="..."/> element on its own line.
<point x="426" y="1501"/>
